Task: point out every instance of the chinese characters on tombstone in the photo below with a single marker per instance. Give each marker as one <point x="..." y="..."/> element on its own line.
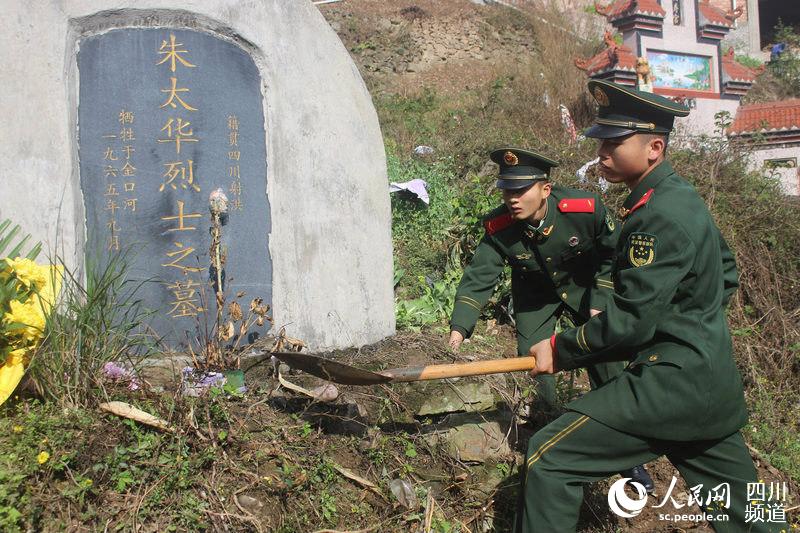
<point x="166" y="117"/>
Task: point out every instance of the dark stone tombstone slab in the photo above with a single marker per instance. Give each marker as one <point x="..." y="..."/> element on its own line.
<point x="166" y="117"/>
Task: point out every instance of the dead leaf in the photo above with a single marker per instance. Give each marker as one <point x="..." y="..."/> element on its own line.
<point x="126" y="410"/>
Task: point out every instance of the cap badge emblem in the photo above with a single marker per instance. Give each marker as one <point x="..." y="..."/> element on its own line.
<point x="510" y="159"/>
<point x="601" y="97"/>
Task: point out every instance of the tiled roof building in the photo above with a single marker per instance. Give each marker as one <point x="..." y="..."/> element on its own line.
<point x="770" y="118"/>
<point x="616" y="63"/>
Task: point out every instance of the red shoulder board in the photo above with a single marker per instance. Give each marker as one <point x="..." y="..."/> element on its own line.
<point x="576" y="205"/>
<point x="642" y="201"/>
<point x="501" y="222"/>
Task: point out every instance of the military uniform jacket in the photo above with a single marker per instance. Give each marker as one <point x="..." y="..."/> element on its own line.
<point x="673" y="275"/>
<point x="567" y="259"/>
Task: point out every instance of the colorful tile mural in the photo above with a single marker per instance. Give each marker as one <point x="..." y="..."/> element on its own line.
<point x="680" y="71"/>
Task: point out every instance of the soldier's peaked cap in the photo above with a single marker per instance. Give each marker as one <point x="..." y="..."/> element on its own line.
<point x="521" y="168"/>
<point x="624" y="110"/>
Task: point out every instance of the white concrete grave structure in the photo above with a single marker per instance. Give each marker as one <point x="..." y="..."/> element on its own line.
<point x="682" y="41"/>
<point x="330" y="240"/>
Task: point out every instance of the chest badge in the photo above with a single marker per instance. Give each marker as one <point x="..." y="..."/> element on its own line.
<point x="573" y="241"/>
<point x="641" y="249"/>
<point x="523" y="257"/>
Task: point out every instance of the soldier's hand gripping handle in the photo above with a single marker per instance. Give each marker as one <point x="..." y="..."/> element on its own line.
<point x="545" y="356"/>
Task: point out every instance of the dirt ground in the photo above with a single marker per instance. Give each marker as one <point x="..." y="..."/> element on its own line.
<point x="386" y="410"/>
<point x="275" y="460"/>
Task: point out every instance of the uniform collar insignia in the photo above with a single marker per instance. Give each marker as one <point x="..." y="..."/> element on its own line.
<point x="650" y="181"/>
<point x="546" y="227"/>
<point x="642" y="201"/>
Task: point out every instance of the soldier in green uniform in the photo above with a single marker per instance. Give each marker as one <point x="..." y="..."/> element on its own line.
<point x="681" y="394"/>
<point x="559" y="243"/>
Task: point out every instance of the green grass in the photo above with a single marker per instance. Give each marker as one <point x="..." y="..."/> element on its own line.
<point x="98" y="319"/>
<point x="774" y="427"/>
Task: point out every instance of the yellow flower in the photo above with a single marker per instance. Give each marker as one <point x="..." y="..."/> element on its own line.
<point x="53" y="275"/>
<point x="11" y="372"/>
<point x="16" y="357"/>
<point x="29" y="273"/>
<point x="29" y="314"/>
<point x="42" y="457"/>
<point x="18" y="429"/>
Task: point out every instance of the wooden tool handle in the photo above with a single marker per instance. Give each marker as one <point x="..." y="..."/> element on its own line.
<point x="477" y="368"/>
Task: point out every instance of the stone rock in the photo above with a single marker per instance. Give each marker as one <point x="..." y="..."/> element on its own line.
<point x="163" y="372"/>
<point x="248" y="502"/>
<point x="470" y="437"/>
<point x="469" y="397"/>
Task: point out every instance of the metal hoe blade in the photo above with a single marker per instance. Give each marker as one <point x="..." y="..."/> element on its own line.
<point x="331" y="370"/>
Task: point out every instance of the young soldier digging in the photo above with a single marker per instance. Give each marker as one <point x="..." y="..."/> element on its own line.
<point x="559" y="243"/>
<point x="681" y="394"/>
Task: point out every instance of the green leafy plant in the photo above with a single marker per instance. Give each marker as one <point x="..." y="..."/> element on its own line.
<point x="786" y="67"/>
<point x="9" y="235"/>
<point x="435" y="305"/>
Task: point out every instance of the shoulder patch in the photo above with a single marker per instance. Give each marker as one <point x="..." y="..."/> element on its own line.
<point x="498" y="223"/>
<point x="641" y="249"/>
<point x="576" y="205"/>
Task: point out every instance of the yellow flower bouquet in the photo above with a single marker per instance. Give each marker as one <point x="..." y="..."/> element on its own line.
<point x="27" y="296"/>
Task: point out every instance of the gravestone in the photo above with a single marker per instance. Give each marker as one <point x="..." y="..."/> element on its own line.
<point x="166" y="117"/>
<point x="312" y="235"/>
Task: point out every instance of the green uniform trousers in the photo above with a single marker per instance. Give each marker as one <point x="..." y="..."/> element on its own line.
<point x="546" y="383"/>
<point x="575" y="449"/>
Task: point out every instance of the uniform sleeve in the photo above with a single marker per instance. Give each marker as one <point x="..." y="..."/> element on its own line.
<point x="730" y="275"/>
<point x="606" y="236"/>
<point x="477" y="285"/>
<point x="642" y="294"/>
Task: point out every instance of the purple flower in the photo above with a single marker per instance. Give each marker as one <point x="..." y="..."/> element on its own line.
<point x="196" y="382"/>
<point x="121" y="373"/>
